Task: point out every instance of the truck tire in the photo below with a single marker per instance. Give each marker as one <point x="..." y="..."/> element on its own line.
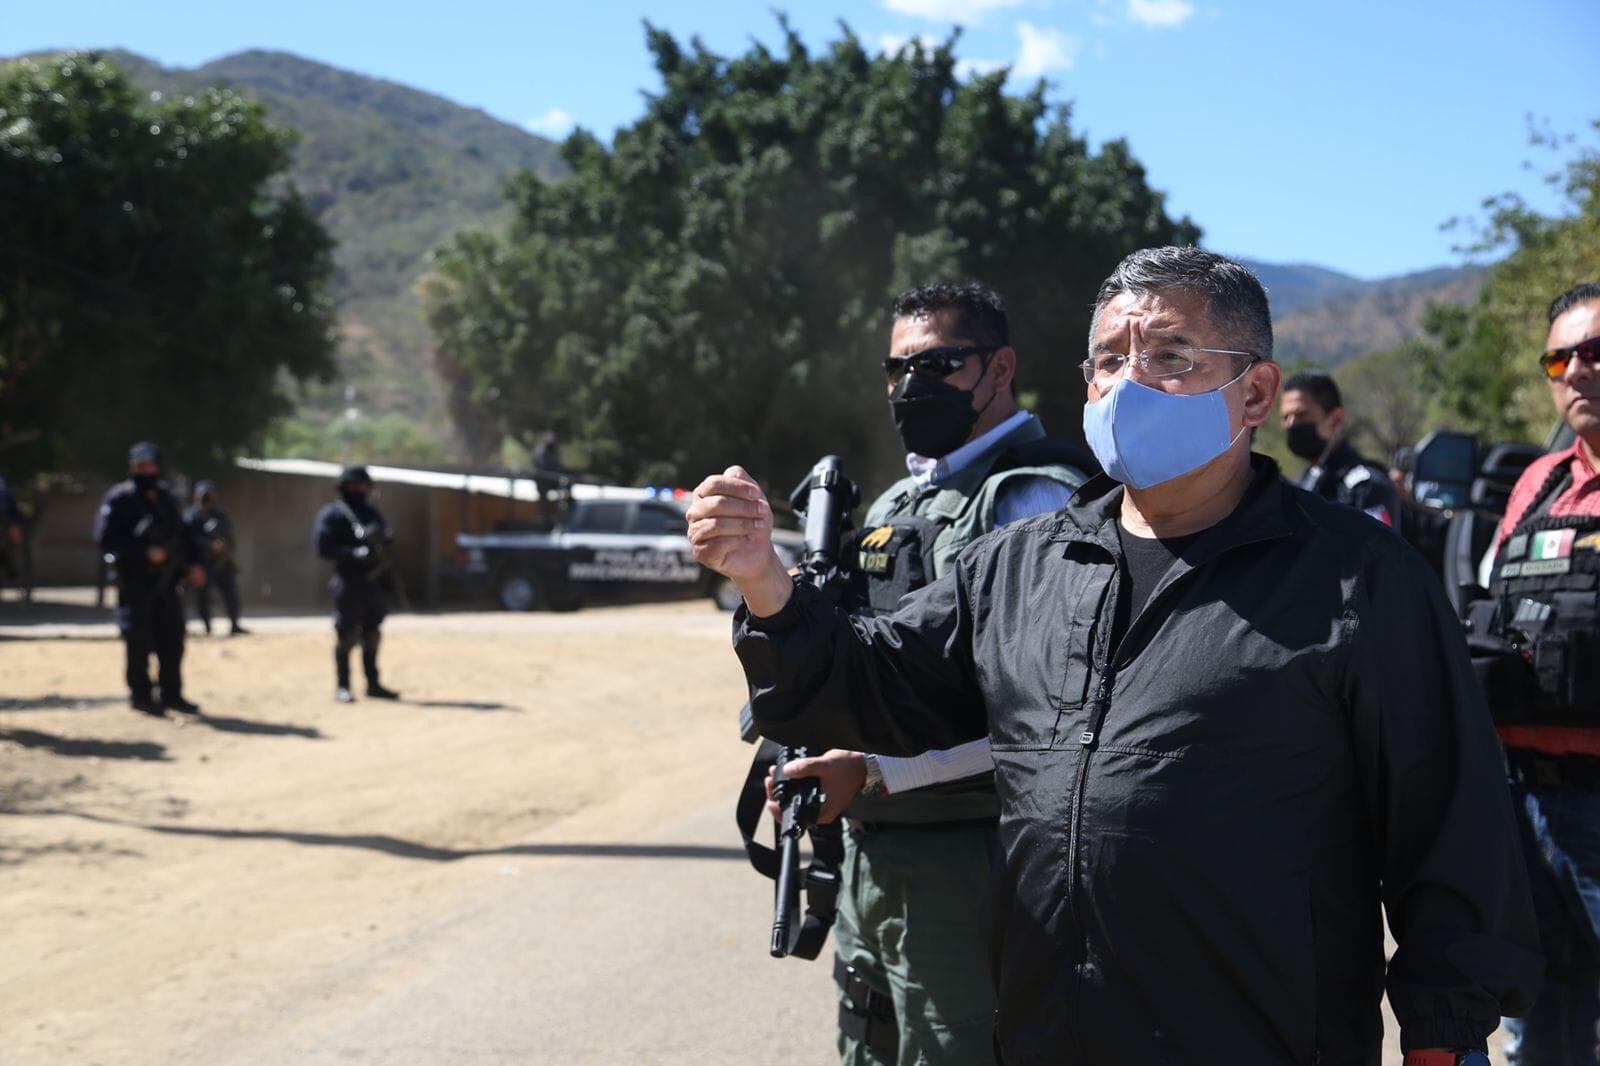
<point x="517" y="590"/>
<point x="563" y="598"/>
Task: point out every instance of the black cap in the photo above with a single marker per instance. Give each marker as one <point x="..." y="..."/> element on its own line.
<point x="354" y="475"/>
<point x="144" y="452"/>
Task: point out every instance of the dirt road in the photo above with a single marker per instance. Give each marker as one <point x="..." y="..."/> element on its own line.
<point x="530" y="859"/>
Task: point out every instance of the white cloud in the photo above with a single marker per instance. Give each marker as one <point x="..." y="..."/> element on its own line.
<point x="1160" y="14"/>
<point x="967" y="68"/>
<point x="1042" y="51"/>
<point x="553" y="123"/>
<point x="966" y="12"/>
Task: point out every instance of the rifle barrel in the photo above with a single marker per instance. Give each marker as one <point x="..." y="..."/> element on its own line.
<point x="787" y="902"/>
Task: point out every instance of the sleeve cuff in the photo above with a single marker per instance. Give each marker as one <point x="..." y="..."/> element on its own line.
<point x="934" y="767"/>
<point x="786" y="619"/>
<point x="1444" y="1033"/>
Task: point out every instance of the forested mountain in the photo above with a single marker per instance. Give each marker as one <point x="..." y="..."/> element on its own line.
<point x="1324" y="317"/>
<point x="393" y="173"/>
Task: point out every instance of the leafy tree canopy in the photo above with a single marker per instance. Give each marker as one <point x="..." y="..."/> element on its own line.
<point x="1475" y="368"/>
<point x="158" y="277"/>
<point x="1482" y="360"/>
<point x="714" y="286"/>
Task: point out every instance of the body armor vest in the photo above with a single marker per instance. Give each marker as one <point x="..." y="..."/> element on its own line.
<point x="1545" y="612"/>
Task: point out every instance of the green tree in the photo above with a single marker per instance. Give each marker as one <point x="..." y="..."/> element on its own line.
<point x="158" y="276"/>
<point x="1385" y="398"/>
<point x="714" y="285"/>
<point x="1482" y="359"/>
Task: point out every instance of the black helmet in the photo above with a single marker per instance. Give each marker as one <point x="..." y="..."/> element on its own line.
<point x="354" y="475"/>
<point x="144" y="452"/>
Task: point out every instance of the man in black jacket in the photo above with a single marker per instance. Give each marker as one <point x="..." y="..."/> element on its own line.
<point x="1229" y="721"/>
<point x="353" y="534"/>
<point x="141" y="528"/>
<point x="213" y="529"/>
<point x="1313" y="416"/>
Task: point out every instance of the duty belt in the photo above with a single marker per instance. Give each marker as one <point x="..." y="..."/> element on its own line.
<point x="1571" y="773"/>
<point x="866" y="1014"/>
<point x="861" y="826"/>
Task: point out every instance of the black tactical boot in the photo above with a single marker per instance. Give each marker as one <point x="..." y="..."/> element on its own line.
<point x="369" y="664"/>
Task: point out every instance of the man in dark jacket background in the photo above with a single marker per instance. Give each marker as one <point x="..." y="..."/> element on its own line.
<point x="213" y="529"/>
<point x="140" y="526"/>
<point x="1229" y="722"/>
<point x="1313" y="416"/>
<point x="354" y="536"/>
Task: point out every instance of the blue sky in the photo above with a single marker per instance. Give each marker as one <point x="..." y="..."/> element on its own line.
<point x="1341" y="134"/>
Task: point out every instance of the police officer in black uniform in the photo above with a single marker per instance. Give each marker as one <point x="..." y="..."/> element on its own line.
<point x="1312" y="413"/>
<point x="210" y="525"/>
<point x="141" y="529"/>
<point x="353" y="534"/>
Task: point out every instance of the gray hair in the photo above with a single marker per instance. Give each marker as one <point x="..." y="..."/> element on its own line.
<point x="1236" y="302"/>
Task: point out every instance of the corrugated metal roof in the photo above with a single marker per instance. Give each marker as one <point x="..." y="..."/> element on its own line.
<point x="483" y="484"/>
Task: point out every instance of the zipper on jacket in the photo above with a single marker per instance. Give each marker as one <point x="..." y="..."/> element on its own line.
<point x="1089" y="739"/>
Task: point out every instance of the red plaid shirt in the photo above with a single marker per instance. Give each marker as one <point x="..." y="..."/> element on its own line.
<point x="1581" y="497"/>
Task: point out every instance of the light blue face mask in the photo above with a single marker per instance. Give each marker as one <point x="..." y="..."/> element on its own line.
<point x="1143" y="436"/>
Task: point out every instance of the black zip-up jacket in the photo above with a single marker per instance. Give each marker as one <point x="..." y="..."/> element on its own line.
<point x="1199" y="824"/>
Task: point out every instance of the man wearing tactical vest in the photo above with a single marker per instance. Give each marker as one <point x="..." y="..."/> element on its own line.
<point x="1312" y="413"/>
<point x="1544" y="688"/>
<point x="914" y="984"/>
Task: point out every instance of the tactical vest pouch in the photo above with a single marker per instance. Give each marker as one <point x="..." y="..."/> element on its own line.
<point x="1546" y="620"/>
<point x="892" y="560"/>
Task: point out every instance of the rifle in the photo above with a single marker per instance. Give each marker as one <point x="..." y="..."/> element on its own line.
<point x="153" y="534"/>
<point x="825" y="498"/>
<point x="380" y="568"/>
<point x="211" y="531"/>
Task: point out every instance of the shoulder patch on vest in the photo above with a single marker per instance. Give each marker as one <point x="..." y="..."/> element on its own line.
<point x="1356" y="475"/>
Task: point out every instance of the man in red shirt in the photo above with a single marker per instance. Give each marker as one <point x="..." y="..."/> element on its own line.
<point x="1545" y="584"/>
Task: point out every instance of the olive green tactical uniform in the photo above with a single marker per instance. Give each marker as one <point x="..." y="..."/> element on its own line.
<point x="917" y="864"/>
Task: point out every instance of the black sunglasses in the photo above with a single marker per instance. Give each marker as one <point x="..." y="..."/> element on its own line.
<point x="935" y="362"/>
<point x="1556" y="360"/>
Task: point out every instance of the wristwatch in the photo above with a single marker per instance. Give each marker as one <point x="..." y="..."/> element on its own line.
<point x="1446" y="1058"/>
<point x="874" y="785"/>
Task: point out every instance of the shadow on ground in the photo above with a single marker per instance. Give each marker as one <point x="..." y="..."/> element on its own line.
<point x="410" y="849"/>
<point x="224" y="724"/>
<point x="137" y="750"/>
<point x="463" y="705"/>
<point x="55" y="701"/>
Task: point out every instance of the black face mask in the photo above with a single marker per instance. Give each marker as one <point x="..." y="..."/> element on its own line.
<point x="146" y="482"/>
<point x="1305" y="442"/>
<point x="933" y="417"/>
<point x="354" y="499"/>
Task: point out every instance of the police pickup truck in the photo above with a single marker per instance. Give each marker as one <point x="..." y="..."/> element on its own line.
<point x="615" y="545"/>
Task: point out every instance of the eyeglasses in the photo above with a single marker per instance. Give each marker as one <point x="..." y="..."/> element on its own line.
<point x="934" y="362"/>
<point x="1154" y="363"/>
<point x="1557" y="360"/>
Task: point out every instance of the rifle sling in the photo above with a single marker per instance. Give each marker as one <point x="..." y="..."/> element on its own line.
<point x="820" y="879"/>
